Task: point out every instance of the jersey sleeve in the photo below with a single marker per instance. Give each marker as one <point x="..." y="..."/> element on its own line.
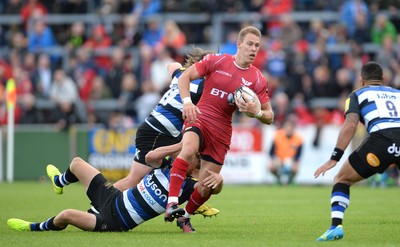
<point x="351" y="104"/>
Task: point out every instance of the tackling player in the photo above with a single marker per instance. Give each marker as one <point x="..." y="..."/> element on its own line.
<point x="117" y="211"/>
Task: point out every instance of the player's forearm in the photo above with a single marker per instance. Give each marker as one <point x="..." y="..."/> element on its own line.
<point x="266" y="117"/>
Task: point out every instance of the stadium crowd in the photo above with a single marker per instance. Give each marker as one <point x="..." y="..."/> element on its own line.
<point x="97" y="63"/>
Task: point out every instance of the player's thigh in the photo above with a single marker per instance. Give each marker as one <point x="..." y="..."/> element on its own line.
<point x="347" y="174"/>
<point x="138" y="170"/>
<point x="190" y="145"/>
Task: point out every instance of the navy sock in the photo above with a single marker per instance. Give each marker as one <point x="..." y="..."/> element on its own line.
<point x="340" y="200"/>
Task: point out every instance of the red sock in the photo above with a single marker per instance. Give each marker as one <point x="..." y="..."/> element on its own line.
<point x="177" y="176"/>
<point x="195" y="201"/>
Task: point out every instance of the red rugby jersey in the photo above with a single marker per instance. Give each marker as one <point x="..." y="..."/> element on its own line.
<point x="222" y="77"/>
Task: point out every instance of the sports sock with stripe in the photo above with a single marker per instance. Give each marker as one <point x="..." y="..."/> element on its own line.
<point x="66" y="178"/>
<point x="47" y="225"/>
<point x="340" y="200"/>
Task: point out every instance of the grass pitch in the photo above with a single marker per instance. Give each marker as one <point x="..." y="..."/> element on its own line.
<point x="261" y="215"/>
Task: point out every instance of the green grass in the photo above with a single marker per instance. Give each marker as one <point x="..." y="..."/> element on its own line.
<point x="250" y="216"/>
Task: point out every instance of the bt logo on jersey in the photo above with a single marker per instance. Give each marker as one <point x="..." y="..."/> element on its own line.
<point x="217" y="92"/>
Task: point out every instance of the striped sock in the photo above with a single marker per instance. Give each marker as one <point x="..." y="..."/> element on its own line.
<point x="47" y="225"/>
<point x="66" y="178"/>
<point x="340" y="200"/>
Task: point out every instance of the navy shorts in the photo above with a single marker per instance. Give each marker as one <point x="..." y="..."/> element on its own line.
<point x="377" y="153"/>
<point x="148" y="139"/>
<point x="102" y="195"/>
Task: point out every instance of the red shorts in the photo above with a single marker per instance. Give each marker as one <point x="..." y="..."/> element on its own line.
<point x="213" y="146"/>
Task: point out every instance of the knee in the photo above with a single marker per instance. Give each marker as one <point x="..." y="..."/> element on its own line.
<point x="75" y="162"/>
<point x="65" y="216"/>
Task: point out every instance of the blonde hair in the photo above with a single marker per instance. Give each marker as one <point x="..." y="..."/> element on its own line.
<point x="247" y="30"/>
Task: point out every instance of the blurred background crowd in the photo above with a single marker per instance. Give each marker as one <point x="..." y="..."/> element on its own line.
<point x="104" y="61"/>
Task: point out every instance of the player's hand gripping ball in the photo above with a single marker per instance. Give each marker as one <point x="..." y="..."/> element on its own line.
<point x="245" y="94"/>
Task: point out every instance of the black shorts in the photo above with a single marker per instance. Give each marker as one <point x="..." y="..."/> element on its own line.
<point x="148" y="139"/>
<point x="102" y="195"/>
<point x="377" y="153"/>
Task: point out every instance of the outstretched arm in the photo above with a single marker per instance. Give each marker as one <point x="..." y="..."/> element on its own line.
<point x="155" y="157"/>
<point x="345" y="135"/>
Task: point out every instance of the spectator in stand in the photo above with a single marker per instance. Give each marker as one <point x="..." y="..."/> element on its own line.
<point x="42" y="38"/>
<point x="18" y="42"/>
<point x="32" y="8"/>
<point x="145" y="8"/>
<point x="159" y="75"/>
<point x="349" y="11"/>
<point x="99" y="91"/>
<point x="146" y="102"/>
<point x="344" y="81"/>
<point x="273" y="9"/>
<point x="381" y="28"/>
<point x="30" y="114"/>
<point x="316" y="31"/>
<point x="42" y="77"/>
<point x="281" y="107"/>
<point x="323" y="87"/>
<point x="130" y="91"/>
<point x="77" y="36"/>
<point x="29" y="65"/>
<point x="153" y="33"/>
<point x="362" y="30"/>
<point x="144" y="67"/>
<point x="23" y="84"/>
<point x="354" y="59"/>
<point x="173" y="36"/>
<point x="128" y="34"/>
<point x="64" y="93"/>
<point x="276" y="60"/>
<point x="13" y="7"/>
<point x="114" y="76"/>
<point x="229" y="46"/>
<point x="386" y="56"/>
<point x="99" y="39"/>
<point x="290" y="31"/>
<point x="5" y="71"/>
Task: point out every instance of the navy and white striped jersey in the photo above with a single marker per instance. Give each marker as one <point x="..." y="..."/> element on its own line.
<point x="166" y="117"/>
<point x="377" y="105"/>
<point x="149" y="198"/>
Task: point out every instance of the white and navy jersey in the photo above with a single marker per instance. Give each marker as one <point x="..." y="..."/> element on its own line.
<point x="149" y="198"/>
<point x="377" y="105"/>
<point x="166" y="117"/>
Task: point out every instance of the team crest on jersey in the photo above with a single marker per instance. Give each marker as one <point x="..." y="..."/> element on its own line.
<point x="373" y="160"/>
<point x="246" y="83"/>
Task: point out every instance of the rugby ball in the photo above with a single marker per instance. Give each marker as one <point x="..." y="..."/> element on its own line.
<point x="244" y="93"/>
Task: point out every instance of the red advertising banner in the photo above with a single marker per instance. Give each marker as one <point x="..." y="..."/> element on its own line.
<point x="246" y="139"/>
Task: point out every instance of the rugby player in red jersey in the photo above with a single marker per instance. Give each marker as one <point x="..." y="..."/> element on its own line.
<point x="208" y="126"/>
